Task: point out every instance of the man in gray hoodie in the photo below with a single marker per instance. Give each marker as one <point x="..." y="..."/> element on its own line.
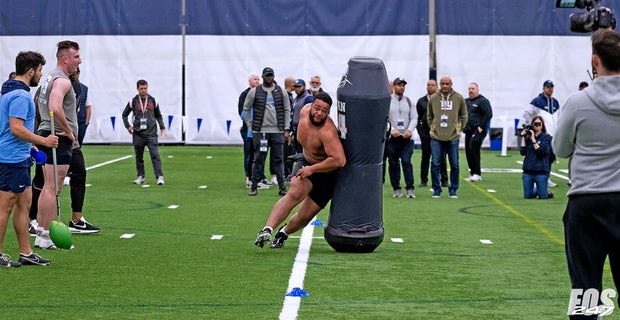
<point x="587" y="132"/>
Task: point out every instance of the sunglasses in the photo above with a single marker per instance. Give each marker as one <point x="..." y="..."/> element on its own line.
<point x="537" y="124"/>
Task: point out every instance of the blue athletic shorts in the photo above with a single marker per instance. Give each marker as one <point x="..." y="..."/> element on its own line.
<point x="15" y="177"/>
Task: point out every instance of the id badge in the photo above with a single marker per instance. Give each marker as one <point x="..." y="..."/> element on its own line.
<point x="263" y="145"/>
<point x="400" y="125"/>
<point x="443" y="121"/>
<point x="143" y="124"/>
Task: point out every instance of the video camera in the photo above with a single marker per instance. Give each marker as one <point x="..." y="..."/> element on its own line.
<point x="596" y="16"/>
<point x="527" y="127"/>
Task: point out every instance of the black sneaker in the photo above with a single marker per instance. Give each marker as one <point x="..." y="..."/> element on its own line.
<point x="33" y="259"/>
<point x="423" y="184"/>
<point x="5" y="261"/>
<point x="82" y="226"/>
<point x="253" y="191"/>
<point x="549" y="195"/>
<point x="263" y="237"/>
<point x="279" y="239"/>
<point x="282" y="192"/>
<point x="32" y="231"/>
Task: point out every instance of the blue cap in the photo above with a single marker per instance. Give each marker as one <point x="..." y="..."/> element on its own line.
<point x="299" y="83"/>
<point x="548" y="83"/>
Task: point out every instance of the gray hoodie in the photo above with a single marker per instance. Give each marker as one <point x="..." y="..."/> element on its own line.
<point x="587" y="132"/>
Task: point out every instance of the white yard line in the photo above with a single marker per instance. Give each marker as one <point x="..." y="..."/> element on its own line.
<point x="291" y="304"/>
<point x="108" y="162"/>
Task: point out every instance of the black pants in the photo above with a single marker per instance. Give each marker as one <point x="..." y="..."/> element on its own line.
<point x="592" y="232"/>
<point x="473" y="143"/>
<point x="77" y="172"/>
<point x="275" y="142"/>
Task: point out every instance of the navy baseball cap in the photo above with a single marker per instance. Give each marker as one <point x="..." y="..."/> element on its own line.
<point x="299" y="83"/>
<point x="548" y="83"/>
<point x="399" y="80"/>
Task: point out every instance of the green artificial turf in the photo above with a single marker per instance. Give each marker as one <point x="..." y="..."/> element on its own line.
<point x="172" y="269"/>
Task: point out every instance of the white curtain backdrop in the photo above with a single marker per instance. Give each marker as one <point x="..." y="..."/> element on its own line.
<point x="509" y="69"/>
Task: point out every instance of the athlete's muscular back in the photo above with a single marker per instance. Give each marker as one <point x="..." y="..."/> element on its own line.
<point x="321" y="144"/>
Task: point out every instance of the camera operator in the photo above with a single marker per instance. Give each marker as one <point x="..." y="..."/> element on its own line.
<point x="588" y="133"/>
<point x="536" y="147"/>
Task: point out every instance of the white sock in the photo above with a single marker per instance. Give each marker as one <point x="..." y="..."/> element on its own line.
<point x="269" y="228"/>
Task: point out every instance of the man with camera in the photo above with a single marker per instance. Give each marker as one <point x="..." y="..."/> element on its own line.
<point x="587" y="133"/>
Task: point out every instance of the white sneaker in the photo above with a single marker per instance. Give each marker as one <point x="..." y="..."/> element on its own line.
<point x="397" y="194"/>
<point x="551" y="184"/>
<point x="274" y="180"/>
<point x="140" y="180"/>
<point x="67" y="181"/>
<point x="44" y="242"/>
<point x="410" y="194"/>
<point x="476" y="177"/>
<point x="248" y="183"/>
<point x="160" y="180"/>
<point x="262" y="185"/>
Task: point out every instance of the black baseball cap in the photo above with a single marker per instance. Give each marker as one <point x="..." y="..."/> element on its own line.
<point x="399" y="80"/>
<point x="268" y="71"/>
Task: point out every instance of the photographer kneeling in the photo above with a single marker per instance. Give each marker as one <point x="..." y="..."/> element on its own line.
<point x="536" y="147"/>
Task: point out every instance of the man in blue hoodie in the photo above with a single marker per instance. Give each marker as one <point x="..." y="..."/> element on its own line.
<point x="17" y="114"/>
<point x="587" y="132"/>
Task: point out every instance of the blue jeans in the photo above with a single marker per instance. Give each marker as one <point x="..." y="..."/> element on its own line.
<point x="535" y="185"/>
<point x="439" y="149"/>
<point x="399" y="151"/>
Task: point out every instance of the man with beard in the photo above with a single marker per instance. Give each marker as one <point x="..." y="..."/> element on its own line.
<point x="267" y="112"/>
<point x="314" y="176"/>
<point x="17" y="114"/>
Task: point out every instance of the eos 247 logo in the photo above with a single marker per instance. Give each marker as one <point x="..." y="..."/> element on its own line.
<point x="587" y="302"/>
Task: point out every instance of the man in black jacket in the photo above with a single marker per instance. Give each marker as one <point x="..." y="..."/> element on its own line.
<point x="479" y="113"/>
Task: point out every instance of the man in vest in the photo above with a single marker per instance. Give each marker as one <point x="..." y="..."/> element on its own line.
<point x="269" y="121"/>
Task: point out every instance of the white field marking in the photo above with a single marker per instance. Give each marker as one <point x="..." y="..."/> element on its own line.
<point x="501" y="170"/>
<point x="491" y="190"/>
<point x="173" y="206"/>
<point x="291" y="305"/>
<point x="485" y="241"/>
<point x="146" y="185"/>
<point x="397" y="240"/>
<point x="202" y="187"/>
<point x="127" y="235"/>
<point x="559" y="175"/>
<point x="217" y="237"/>
<point x="108" y="162"/>
<point x="520" y="171"/>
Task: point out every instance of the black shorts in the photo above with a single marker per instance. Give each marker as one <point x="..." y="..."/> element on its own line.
<point x="323" y="184"/>
<point x="63" y="151"/>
